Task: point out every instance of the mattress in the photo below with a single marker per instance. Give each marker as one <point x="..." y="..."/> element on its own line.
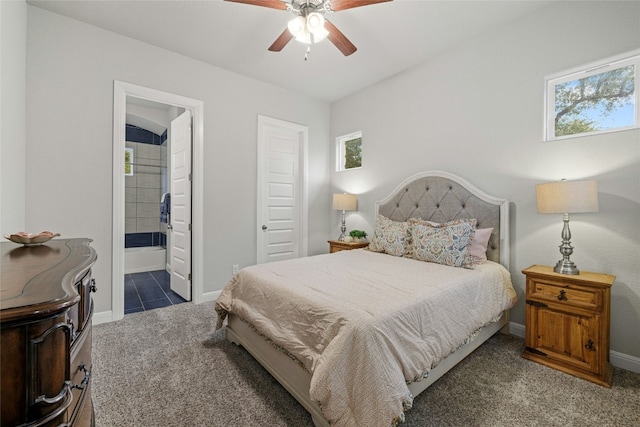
<point x="366" y="324"/>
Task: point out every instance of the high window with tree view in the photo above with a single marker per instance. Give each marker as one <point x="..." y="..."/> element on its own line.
<point x="349" y="151"/>
<point x="596" y="98"/>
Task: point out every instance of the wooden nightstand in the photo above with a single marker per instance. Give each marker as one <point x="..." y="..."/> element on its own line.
<point x="567" y="322"/>
<point x="336" y="245"/>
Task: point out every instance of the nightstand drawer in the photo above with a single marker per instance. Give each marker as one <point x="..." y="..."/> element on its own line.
<point x="590" y="299"/>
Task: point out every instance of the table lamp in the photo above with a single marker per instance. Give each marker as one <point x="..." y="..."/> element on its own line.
<point x="344" y="202"/>
<point x="567" y="197"/>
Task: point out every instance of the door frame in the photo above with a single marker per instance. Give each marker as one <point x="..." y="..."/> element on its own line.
<point x="303" y="132"/>
<point x="120" y="92"/>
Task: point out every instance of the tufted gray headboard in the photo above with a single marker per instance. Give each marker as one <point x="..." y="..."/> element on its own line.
<point x="440" y="197"/>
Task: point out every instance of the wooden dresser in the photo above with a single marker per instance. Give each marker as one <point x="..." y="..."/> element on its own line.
<point x="45" y="326"/>
<point x="567" y="322"/>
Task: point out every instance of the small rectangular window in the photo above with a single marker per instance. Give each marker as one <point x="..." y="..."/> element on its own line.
<point x="596" y="98"/>
<point x="128" y="161"/>
<point x="349" y="151"/>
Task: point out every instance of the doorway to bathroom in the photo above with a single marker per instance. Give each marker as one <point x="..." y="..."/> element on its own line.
<point x="156" y="262"/>
<point x="155" y="271"/>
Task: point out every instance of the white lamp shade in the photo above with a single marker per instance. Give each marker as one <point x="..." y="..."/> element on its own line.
<point x="320" y="35"/>
<point x="297" y="26"/>
<point x="567" y="197"/>
<point x="315" y="22"/>
<point x="345" y="202"/>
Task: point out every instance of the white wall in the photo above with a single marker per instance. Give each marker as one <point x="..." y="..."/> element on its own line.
<point x="71" y="67"/>
<point x="477" y="111"/>
<point x="13" y="36"/>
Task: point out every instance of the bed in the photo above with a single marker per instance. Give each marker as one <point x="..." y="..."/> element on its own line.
<point x="355" y="360"/>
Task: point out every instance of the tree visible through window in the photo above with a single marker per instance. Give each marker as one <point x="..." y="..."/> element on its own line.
<point x="349" y="151"/>
<point x="353" y="153"/>
<point x="600" y="98"/>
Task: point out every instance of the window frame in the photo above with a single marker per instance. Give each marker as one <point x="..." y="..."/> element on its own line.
<point x="341" y="150"/>
<point x="591" y="69"/>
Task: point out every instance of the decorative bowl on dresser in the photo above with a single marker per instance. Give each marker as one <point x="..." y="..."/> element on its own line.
<point x="567" y="322"/>
<point x="45" y="326"/>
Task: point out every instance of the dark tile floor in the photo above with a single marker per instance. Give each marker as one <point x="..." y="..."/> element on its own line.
<point x="149" y="290"/>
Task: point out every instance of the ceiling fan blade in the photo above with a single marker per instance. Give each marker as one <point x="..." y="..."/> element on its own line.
<point x="281" y="41"/>
<point x="337" y="5"/>
<point x="273" y="4"/>
<point x="339" y="40"/>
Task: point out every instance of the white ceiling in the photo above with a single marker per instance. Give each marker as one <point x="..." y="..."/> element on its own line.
<point x="390" y="37"/>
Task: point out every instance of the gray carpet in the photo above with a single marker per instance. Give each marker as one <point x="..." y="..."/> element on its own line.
<point x="167" y="367"/>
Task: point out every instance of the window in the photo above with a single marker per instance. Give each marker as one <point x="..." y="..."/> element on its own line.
<point x="349" y="151"/>
<point x="128" y="161"/>
<point x="596" y="98"/>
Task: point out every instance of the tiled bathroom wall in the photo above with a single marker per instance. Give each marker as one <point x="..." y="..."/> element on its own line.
<point x="144" y="189"/>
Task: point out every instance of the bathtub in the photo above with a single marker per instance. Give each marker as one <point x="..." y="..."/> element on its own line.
<point x="151" y="258"/>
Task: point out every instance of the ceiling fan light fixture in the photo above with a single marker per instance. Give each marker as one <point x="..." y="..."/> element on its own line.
<point x="304" y="38"/>
<point x="297" y="26"/>
<point x="315" y="22"/>
<point x="308" y="29"/>
<point x="320" y="35"/>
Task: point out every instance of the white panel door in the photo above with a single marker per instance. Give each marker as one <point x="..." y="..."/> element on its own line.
<point x="280" y="198"/>
<point x="180" y="216"/>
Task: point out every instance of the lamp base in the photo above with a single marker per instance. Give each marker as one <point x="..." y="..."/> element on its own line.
<point x="343" y="229"/>
<point x="566" y="266"/>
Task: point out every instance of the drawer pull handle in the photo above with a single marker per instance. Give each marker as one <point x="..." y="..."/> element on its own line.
<point x="589" y="346"/>
<point x="93" y="287"/>
<point x="66" y="391"/>
<point x="85" y="380"/>
<point x="72" y="327"/>
<point x="562" y="296"/>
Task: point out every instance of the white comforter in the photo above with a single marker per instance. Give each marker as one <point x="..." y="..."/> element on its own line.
<point x="364" y="324"/>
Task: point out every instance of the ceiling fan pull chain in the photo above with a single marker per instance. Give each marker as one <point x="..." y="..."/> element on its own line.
<point x="306" y="55"/>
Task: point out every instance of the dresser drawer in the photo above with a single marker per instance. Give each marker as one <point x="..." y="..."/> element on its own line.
<point x="565" y="295"/>
<point x="81" y="366"/>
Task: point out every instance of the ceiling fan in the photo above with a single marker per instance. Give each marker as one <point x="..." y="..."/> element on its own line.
<point x="309" y="25"/>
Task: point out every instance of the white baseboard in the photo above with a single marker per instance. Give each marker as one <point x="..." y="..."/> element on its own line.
<point x="617" y="359"/>
<point x="516" y="329"/>
<point x="625" y="361"/>
<point x="102" y="317"/>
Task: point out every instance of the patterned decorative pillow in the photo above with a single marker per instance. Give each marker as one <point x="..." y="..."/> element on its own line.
<point x="447" y="244"/>
<point x="391" y="237"/>
<point x="478" y="245"/>
<point x="419" y="221"/>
